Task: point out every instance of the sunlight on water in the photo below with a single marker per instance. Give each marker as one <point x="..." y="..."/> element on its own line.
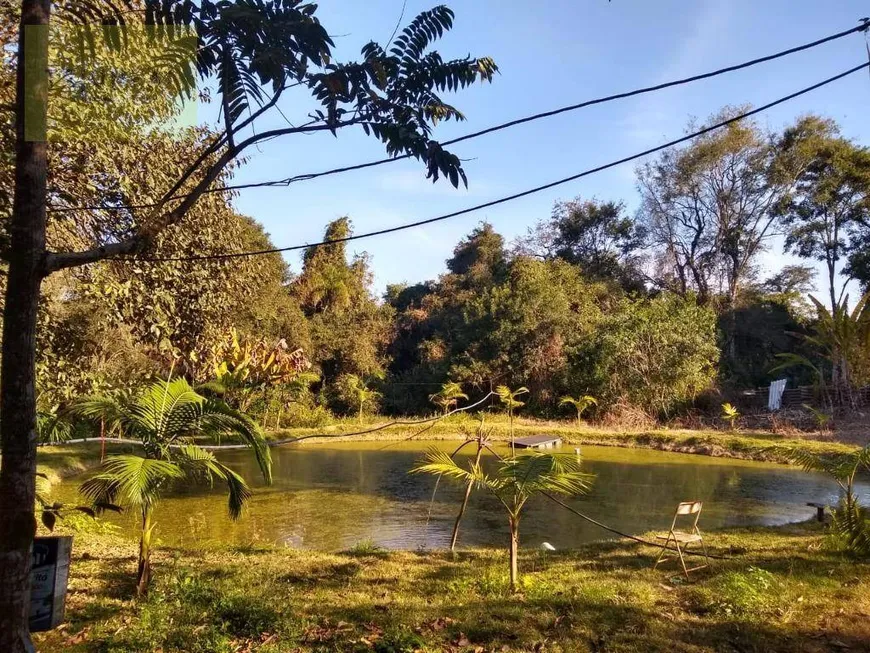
<point x="334" y="496"/>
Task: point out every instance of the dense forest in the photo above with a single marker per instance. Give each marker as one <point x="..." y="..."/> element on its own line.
<point x="655" y="311"/>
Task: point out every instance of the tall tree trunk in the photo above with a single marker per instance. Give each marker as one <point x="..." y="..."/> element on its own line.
<point x="511" y="427"/>
<point x="732" y="320"/>
<point x="143" y="573"/>
<point x="832" y="284"/>
<point x="514" y="550"/>
<point x="18" y="371"/>
<point x="468" y="489"/>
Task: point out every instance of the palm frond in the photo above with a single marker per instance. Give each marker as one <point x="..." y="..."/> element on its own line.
<point x="101" y="407"/>
<point x="134" y="480"/>
<point x="169" y="409"/>
<point x="545" y="472"/>
<point x="840" y="466"/>
<point x="789" y="360"/>
<point x="220" y="419"/>
<point x="439" y="463"/>
<point x="509" y="397"/>
<point x="196" y="461"/>
<point x="851" y="523"/>
<point x="53" y="427"/>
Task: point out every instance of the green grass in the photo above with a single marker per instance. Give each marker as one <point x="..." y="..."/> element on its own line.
<point x="750" y="445"/>
<point x="782" y="589"/>
<point x="64" y="461"/>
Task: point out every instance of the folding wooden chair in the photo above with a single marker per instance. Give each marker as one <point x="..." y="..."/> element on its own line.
<point x="682" y="538"/>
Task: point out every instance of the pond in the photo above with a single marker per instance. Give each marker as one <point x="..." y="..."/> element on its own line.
<point x="334" y="496"/>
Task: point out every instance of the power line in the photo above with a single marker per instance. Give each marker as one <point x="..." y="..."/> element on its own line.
<point x="863" y="27"/>
<point x="509" y="198"/>
<point x="278" y="443"/>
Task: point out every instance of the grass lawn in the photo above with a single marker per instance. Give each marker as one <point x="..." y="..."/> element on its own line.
<point x="63" y="461"/>
<point x="783" y="589"/>
<point x="753" y="445"/>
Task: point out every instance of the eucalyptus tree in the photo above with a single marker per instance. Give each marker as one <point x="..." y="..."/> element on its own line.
<point x="710" y="209"/>
<point x="826" y="217"/>
<point x="254" y="52"/>
<point x="598" y="237"/>
<point x="167" y="417"/>
<point x="514" y="481"/>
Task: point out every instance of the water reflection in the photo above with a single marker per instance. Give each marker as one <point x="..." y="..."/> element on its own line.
<point x="331" y="497"/>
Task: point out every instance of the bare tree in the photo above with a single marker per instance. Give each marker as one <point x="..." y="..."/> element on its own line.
<point x="709" y="207"/>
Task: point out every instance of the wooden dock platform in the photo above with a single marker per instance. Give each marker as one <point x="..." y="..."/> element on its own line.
<point x="538" y="442"/>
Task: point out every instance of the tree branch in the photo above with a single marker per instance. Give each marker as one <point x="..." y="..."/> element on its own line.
<point x="60" y="260"/>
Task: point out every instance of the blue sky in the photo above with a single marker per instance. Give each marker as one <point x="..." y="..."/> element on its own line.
<point x="551" y="54"/>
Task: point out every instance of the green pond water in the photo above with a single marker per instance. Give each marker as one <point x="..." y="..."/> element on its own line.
<point x="331" y="497"/>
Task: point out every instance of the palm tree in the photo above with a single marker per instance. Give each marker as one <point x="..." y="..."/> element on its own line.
<point x="362" y="393"/>
<point x="481" y="438"/>
<point x="513" y="483"/>
<point x="448" y="396"/>
<point x="166" y="417"/>
<point x="508" y="397"/>
<point x="850" y="519"/>
<point x="581" y="404"/>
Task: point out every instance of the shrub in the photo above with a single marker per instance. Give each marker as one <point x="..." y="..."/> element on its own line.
<point x="657" y="354"/>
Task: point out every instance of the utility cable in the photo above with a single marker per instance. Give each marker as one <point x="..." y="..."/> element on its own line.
<point x="610" y="529"/>
<point x="278" y="443"/>
<point x="508" y="198"/>
<point x="863" y="27"/>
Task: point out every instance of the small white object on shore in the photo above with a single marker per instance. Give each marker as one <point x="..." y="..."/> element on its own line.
<point x="546" y="546"/>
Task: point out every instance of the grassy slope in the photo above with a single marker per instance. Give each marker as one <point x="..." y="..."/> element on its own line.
<point x="782" y="590"/>
<point x="64" y="461"/>
<point x="755" y="445"/>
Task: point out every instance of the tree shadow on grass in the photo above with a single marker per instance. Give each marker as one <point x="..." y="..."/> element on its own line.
<point x="335" y="575"/>
<point x="588" y="625"/>
<point x="117" y="582"/>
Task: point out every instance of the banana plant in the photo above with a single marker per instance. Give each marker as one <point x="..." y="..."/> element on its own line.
<point x="841" y="339"/>
<point x="167" y="417"/>
<point x="509" y="400"/>
<point x="514" y="481"/>
<point x="580" y="404"/>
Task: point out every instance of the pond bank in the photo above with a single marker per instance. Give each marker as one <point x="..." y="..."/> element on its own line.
<point x="781" y="589"/>
<point x="753" y="445"/>
<point x="61" y="462"/>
